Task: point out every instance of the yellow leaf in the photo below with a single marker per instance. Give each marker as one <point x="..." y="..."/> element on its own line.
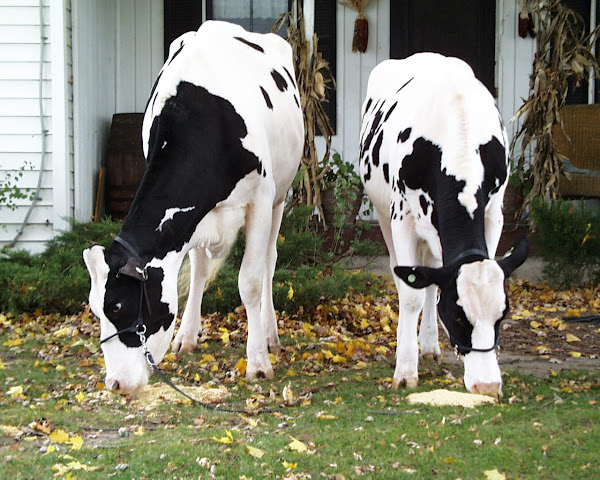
<point x="2" y="366"/>
<point x="328" y="354"/>
<point x="572" y="338"/>
<point x="575" y="354"/>
<point x="241" y="365"/>
<point x="450" y="460"/>
<point x="170" y="357"/>
<point x="289" y="465"/>
<point x="324" y="416"/>
<point x="290" y="293"/>
<point x="80" y="397"/>
<point x="297" y="446"/>
<point x="339" y="359"/>
<point x="13" y="343"/>
<point x="139" y="431"/>
<point x="255" y="452"/>
<point x="494" y="475"/>
<point x="50" y="449"/>
<point x="76" y="442"/>
<point x="382" y="350"/>
<point x="534" y="324"/>
<point x="364" y="323"/>
<point x="227" y="439"/>
<point x="10" y="430"/>
<point x="63" y="332"/>
<point x="15" y="391"/>
<point x="272" y="358"/>
<point x="59" y="436"/>
<point x="225" y="336"/>
<point x="206" y="357"/>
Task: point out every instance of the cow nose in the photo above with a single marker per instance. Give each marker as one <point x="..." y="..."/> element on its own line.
<point x="489" y="389"/>
<point x="113" y="385"/>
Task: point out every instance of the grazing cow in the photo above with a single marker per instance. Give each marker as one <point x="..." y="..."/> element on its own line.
<point x="222" y="135"/>
<point x="434" y="163"/>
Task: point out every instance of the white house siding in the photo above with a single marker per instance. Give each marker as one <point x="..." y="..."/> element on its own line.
<point x="20" y="131"/>
<point x="118" y="53"/>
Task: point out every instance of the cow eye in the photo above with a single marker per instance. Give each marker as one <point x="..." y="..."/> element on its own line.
<point x="116" y="307"/>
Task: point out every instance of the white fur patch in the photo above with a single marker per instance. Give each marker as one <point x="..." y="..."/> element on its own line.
<point x="170" y="213"/>
<point x="480" y="288"/>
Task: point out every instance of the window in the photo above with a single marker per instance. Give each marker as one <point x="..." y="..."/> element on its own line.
<point x="254" y="15"/>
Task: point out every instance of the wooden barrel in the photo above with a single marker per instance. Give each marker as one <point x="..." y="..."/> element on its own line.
<point x="125" y="164"/>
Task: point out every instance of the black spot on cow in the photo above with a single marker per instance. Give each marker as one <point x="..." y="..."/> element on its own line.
<point x="267" y="98"/>
<point x="367" y="175"/>
<point x="424" y="204"/>
<point x="176" y="53"/>
<point x="279" y="80"/>
<point x="387" y="115"/>
<point x="256" y="47"/>
<point x="153" y="91"/>
<point x="264" y="173"/>
<point x="493" y="157"/>
<point x="290" y="76"/>
<point x="368" y="105"/>
<point x="458" y="231"/>
<point x="372" y="132"/>
<point x="404" y="134"/>
<point x="201" y="164"/>
<point x="405" y="84"/>
<point x="386" y="172"/>
<point x="259" y="169"/>
<point x="296" y="100"/>
<point x="377" y="148"/>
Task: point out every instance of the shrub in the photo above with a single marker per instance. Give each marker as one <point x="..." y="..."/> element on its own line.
<point x="569" y="238"/>
<point x="57" y="279"/>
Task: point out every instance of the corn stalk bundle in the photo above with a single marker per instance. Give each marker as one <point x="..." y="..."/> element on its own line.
<point x="564" y="54"/>
<point x="360" y="38"/>
<point x="313" y="77"/>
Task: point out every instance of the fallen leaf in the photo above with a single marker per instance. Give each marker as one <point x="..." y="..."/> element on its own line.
<point x="494" y="475"/>
<point x="297" y="446"/>
<point x="228" y="438"/>
<point x="76" y="442"/>
<point x="255" y="452"/>
<point x="572" y="338"/>
<point x="59" y="436"/>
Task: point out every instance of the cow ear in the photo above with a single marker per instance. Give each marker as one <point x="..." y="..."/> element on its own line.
<point x="134" y="268"/>
<point x="96" y="263"/>
<point x="421" y="277"/>
<point x="515" y="257"/>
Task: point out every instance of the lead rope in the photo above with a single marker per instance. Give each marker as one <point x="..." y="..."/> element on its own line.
<point x="152" y="364"/>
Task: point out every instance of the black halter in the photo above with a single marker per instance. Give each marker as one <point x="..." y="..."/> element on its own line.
<point x="138" y="326"/>
<point x="462" y="349"/>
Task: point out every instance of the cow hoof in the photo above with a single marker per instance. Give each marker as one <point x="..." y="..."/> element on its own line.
<point x="410" y="382"/>
<point x="436" y="357"/>
<point x="275" y="348"/>
<point x="258" y="374"/>
<point x="182" y="346"/>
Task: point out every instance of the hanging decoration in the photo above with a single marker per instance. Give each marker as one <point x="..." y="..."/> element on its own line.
<point x="526" y="26"/>
<point x="361" y="25"/>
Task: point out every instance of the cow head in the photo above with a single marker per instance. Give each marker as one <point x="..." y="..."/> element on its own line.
<point x="123" y="292"/>
<point x="472" y="303"/>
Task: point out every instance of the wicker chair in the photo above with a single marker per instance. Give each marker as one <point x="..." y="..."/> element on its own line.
<point x="582" y="148"/>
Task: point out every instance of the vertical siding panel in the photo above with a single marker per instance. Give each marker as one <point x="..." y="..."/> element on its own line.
<point x="143" y="72"/>
<point x="126" y="33"/>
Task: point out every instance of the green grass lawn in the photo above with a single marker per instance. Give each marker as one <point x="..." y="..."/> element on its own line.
<point x="341" y="420"/>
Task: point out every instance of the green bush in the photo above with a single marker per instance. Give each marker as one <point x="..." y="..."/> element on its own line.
<point x="569" y="239"/>
<point x="57" y="280"/>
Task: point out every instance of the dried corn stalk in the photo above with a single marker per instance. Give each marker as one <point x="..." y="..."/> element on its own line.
<point x="564" y="53"/>
<point x="313" y="77"/>
<point x="361" y="25"/>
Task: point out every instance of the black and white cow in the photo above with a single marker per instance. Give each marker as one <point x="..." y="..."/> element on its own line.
<point x="434" y="163"/>
<point x="222" y="135"/>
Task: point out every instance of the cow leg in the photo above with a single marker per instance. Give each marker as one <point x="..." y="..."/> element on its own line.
<point x="191" y="322"/>
<point x="428" y="331"/>
<point x="250" y="281"/>
<point x="494" y="221"/>
<point x="410" y="305"/>
<point x="267" y="309"/>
